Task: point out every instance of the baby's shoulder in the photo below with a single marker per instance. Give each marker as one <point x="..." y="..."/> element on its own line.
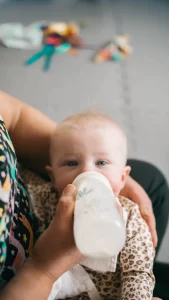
<point x="128" y="205"/>
<point x="135" y="224"/>
<point x="131" y="213"/>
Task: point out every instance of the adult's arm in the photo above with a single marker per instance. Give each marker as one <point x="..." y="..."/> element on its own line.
<point x="54" y="253"/>
<point x="30" y="131"/>
<point x="137" y="194"/>
<point x="29" y="283"/>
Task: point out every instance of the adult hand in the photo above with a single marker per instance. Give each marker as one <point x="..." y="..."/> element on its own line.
<point x="54" y="253"/>
<point x="55" y="249"/>
<point x="136" y="193"/>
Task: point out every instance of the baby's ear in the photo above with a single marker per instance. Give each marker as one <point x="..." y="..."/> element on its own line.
<point x="50" y="173"/>
<point x="125" y="174"/>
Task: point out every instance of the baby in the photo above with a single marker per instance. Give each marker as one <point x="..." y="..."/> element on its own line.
<point x="88" y="142"/>
<point x="93" y="142"/>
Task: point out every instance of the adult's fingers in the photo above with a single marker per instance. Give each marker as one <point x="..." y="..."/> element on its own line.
<point x="135" y="192"/>
<point x="65" y="207"/>
<point x="148" y="216"/>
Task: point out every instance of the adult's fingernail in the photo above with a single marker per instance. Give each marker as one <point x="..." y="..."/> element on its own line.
<point x="69" y="190"/>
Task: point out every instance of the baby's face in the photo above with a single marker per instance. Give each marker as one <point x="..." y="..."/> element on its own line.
<point x="79" y="150"/>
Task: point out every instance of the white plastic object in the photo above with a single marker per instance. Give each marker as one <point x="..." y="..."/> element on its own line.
<point x="99" y="230"/>
<point x="19" y="36"/>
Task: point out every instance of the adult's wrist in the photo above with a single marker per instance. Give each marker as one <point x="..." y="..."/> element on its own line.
<point x="29" y="283"/>
<point x="32" y="267"/>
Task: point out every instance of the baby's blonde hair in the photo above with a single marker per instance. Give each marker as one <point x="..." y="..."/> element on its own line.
<point x="83" y="121"/>
<point x="90" y="115"/>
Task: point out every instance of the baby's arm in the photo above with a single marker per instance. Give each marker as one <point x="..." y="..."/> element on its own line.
<point x="136" y="259"/>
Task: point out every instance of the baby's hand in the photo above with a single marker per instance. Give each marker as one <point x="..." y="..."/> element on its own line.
<point x="55" y="251"/>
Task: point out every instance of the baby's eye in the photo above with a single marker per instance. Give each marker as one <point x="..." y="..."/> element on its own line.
<point x="102" y="163"/>
<point x="72" y="163"/>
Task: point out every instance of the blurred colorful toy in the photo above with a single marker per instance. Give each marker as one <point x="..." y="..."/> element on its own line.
<point x="64" y="37"/>
<point x="114" y="50"/>
<point x="57" y="38"/>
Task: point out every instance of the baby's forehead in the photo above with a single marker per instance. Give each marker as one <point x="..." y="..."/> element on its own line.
<point x="84" y="131"/>
<point x="88" y="133"/>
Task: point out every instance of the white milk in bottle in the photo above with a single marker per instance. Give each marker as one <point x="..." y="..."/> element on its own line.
<point x="99" y="230"/>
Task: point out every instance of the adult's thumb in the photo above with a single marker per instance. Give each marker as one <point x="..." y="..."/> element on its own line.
<point x="69" y="190"/>
<point x="66" y="203"/>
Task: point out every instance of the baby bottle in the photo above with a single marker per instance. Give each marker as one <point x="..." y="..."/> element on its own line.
<point x="99" y="230"/>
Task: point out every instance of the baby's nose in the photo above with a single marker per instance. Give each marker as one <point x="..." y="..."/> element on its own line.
<point x="87" y="168"/>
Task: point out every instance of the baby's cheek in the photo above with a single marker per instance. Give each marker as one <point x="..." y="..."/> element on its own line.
<point x="62" y="181"/>
<point x="59" y="184"/>
<point x="116" y="185"/>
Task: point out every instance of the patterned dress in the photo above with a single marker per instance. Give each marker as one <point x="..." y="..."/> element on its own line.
<point x="16" y="218"/>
